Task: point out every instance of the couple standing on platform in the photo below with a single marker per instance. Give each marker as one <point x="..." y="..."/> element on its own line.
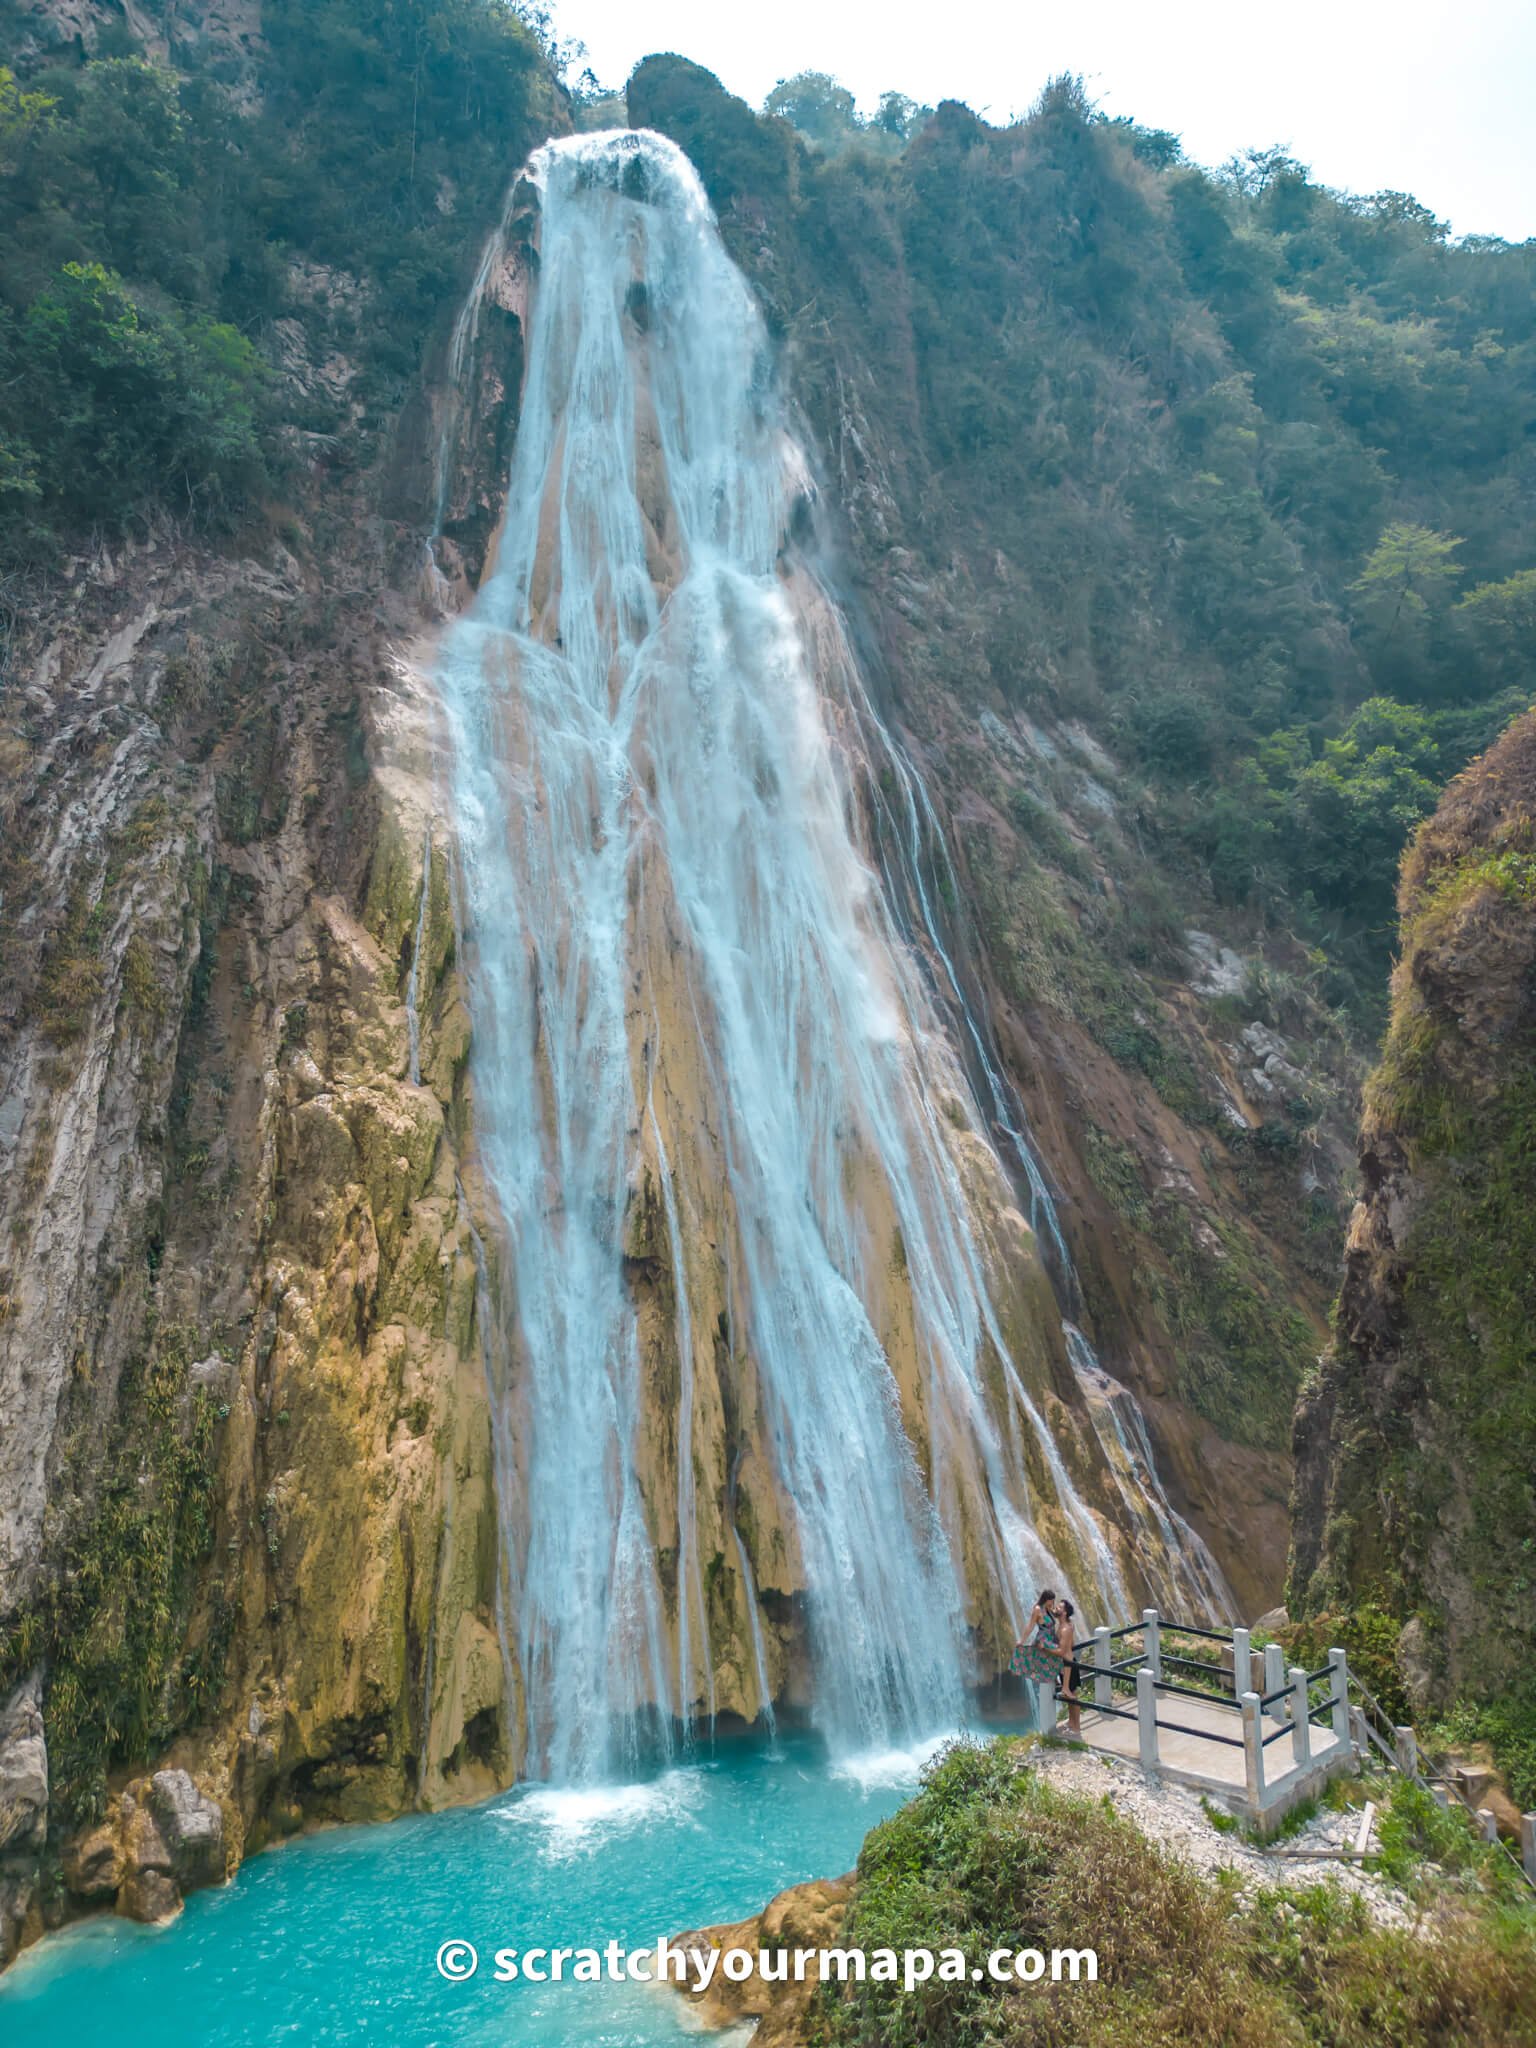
<point x="1047" y="1654"/>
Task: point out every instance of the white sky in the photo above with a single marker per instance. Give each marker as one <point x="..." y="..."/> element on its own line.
<point x="1433" y="97"/>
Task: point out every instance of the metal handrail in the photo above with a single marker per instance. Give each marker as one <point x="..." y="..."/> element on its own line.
<point x="1184" y="1628"/>
<point x="1192" y="1664"/>
<point x="1373" y="1715"/>
<point x="1436" y="1776"/>
<point x="1205" y="1734"/>
<point x="1190" y="1692"/>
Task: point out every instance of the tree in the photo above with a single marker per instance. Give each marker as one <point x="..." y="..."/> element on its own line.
<point x="130" y="403"/>
<point x="1405" y="571"/>
<point x="1507" y="608"/>
<point x="899" y="116"/>
<point x="822" y="110"/>
<point x="1160" y="147"/>
<point x="20" y="111"/>
<point x="1253" y="171"/>
<point x="1349" y="813"/>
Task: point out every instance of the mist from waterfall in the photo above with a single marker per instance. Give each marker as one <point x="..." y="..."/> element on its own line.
<point x="656" y="735"/>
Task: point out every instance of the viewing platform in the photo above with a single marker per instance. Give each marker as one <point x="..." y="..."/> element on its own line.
<point x="1233" y="1722"/>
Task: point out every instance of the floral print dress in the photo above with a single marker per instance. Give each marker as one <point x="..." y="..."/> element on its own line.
<point x="1037" y="1660"/>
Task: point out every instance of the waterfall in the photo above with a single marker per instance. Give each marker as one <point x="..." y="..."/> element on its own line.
<point x="1185" y="1577"/>
<point x="755" y="1631"/>
<point x="746" y="1201"/>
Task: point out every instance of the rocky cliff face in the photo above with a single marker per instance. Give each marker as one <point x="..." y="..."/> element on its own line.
<point x="1416" y="1445"/>
<point x="245" y="1436"/>
<point x="247" y="1513"/>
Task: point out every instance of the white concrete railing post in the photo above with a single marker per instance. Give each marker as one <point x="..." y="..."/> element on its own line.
<point x="1339" y="1665"/>
<point x="1253" y="1749"/>
<point x="1151" y="1641"/>
<point x="1407" y="1752"/>
<point x="1146" y="1717"/>
<point x="1242" y="1663"/>
<point x="1046" y="1706"/>
<point x="1102" y="1659"/>
<point x="1274" y="1680"/>
<point x="1528" y="1844"/>
<point x="1301" y="1723"/>
<point x="1487" y="1826"/>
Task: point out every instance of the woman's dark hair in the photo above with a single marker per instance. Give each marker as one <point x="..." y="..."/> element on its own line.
<point x="1041" y="1598"/>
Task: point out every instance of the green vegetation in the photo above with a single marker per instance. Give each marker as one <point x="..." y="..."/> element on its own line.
<point x="1369" y="1636"/>
<point x="1218" y="450"/>
<point x="1508" y="1726"/>
<point x="1239" y="1351"/>
<point x="111" y="1628"/>
<point x="156" y="235"/>
<point x="73" y="973"/>
<point x="988" y="1856"/>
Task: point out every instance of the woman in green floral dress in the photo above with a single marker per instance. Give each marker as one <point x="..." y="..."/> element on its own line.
<point x="1036" y="1657"/>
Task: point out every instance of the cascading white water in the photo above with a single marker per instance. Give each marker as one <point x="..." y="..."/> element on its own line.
<point x="1185" y="1575"/>
<point x="668" y="917"/>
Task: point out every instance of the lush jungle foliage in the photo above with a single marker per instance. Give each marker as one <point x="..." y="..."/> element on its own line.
<point x="990" y="1857"/>
<point x="159" y="226"/>
<point x="1253" y="461"/>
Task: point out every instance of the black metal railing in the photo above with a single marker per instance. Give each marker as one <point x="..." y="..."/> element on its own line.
<point x="1379" y="1727"/>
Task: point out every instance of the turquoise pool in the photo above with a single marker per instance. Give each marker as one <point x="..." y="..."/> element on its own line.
<point x="333" y="1938"/>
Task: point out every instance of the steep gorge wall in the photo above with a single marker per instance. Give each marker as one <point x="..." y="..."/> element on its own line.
<point x="1416" y="1446"/>
<point x="247" y="1513"/>
<point x="246" y="1441"/>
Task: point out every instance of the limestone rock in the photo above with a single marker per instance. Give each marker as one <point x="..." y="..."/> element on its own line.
<point x="94" y="1866"/>
<point x="19" y="1918"/>
<point x="192" y="1827"/>
<point x="1415" y="1448"/>
<point x="150" y="1896"/>
<point x="806" y="1916"/>
<point x="23" y="1767"/>
<point x="144" y="1847"/>
<point x="1218" y="970"/>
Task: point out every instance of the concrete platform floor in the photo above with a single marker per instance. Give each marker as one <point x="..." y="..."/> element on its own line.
<point x="1197" y="1756"/>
